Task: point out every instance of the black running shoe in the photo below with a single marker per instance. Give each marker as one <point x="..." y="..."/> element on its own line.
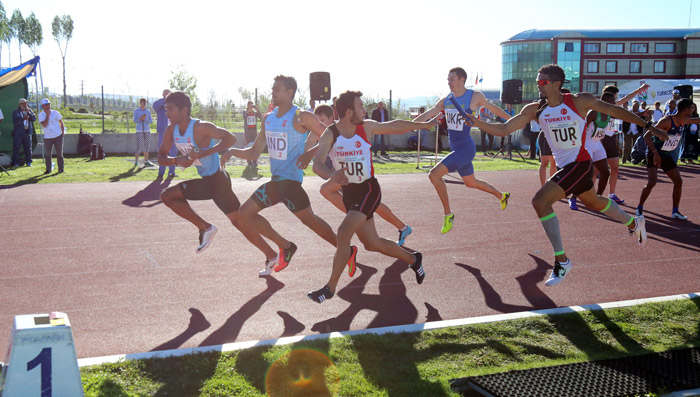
<point x="418" y="268"/>
<point x="320" y="295"/>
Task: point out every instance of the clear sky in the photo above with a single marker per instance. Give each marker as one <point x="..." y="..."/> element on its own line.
<point x="131" y="47"/>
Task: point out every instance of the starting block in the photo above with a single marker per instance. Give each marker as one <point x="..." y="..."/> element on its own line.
<point x="41" y="359"/>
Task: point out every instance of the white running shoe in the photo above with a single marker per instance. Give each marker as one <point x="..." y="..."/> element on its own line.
<point x="269" y="265"/>
<point x="640" y="230"/>
<point x="678" y="215"/>
<point x="558" y="273"/>
<point x="637" y="212"/>
<point x="205" y="237"/>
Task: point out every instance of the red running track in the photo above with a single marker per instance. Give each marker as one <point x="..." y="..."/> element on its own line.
<point x="123" y="266"/>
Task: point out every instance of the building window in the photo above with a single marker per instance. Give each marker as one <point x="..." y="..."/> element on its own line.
<point x="592" y="67"/>
<point x="610" y="66"/>
<point x="639" y="48"/>
<point x="592" y="87"/>
<point x="635" y="66"/>
<point x="615" y="48"/>
<point x="665" y="47"/>
<point x="568" y="47"/>
<point x="592" y="48"/>
<point x="607" y="83"/>
<point x="659" y="66"/>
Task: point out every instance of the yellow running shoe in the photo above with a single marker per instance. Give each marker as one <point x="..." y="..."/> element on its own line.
<point x="447" y="223"/>
<point x="504" y="200"/>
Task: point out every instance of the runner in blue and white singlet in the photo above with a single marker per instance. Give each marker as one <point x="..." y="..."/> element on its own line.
<point x="284" y="130"/>
<point x="196" y="140"/>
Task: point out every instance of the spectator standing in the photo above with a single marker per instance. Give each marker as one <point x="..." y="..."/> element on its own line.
<point x="52" y="124"/>
<point x="657" y="114"/>
<point x="250" y="120"/>
<point x="312" y="106"/>
<point x="379" y="115"/>
<point x="671" y="103"/>
<point x="161" y="124"/>
<point x="23" y="125"/>
<point x="631" y="132"/>
<point x="690" y="140"/>
<point x="486" y="116"/>
<point x="142" y="119"/>
<point x="531" y="131"/>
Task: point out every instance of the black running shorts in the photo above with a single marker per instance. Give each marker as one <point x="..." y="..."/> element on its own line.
<point x="363" y="197"/>
<point x="215" y="187"/>
<point x="282" y="190"/>
<point x="545" y="150"/>
<point x="610" y="145"/>
<point x="575" y="178"/>
<point x="667" y="163"/>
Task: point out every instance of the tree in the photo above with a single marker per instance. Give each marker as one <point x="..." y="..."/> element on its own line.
<point x="33" y="35"/>
<point x="183" y="81"/>
<point x="62" y="31"/>
<point x="245" y="95"/>
<point x="17" y="27"/>
<point x="5" y="32"/>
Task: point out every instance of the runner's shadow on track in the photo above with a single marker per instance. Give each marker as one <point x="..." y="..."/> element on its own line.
<point x="229" y="331"/>
<point x="130" y="172"/>
<point x="150" y="193"/>
<point x="391" y="305"/>
<point x="684" y="233"/>
<point x="198" y="323"/>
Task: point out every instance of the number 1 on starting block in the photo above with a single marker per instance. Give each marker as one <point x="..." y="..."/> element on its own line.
<point x="41" y="359"/>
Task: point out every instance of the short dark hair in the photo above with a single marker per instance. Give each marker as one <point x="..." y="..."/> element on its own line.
<point x="608" y="97"/>
<point x="611" y="89"/>
<point x="142" y="100"/>
<point x="346" y="101"/>
<point x="684" y="104"/>
<point x="179" y="99"/>
<point x="461" y="74"/>
<point x="553" y="70"/>
<point x="289" y="82"/>
<point x="324" y="109"/>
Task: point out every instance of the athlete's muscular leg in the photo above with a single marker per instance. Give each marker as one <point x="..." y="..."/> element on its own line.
<point x="544" y="162"/>
<point x="542" y="203"/>
<point x="436" y="174"/>
<point x="614" y="166"/>
<point x="175" y="200"/>
<point x="388" y="215"/>
<point x="372" y="242"/>
<point x="249" y="212"/>
<point x="331" y="191"/>
<point x="251" y="234"/>
<point x="602" y="167"/>
<point x="351" y="224"/>
<point x="318" y="225"/>
<point x="677" y="186"/>
<point x="471" y="182"/>
<point x="608" y="207"/>
<point x="651" y="182"/>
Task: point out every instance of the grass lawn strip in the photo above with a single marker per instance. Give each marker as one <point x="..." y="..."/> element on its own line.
<point x="416" y="363"/>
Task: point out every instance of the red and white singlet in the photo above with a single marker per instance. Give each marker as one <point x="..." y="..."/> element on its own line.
<point x="565" y="131"/>
<point x="354" y="153"/>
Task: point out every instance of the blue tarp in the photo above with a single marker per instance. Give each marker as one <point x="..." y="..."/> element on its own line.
<point x="12" y="75"/>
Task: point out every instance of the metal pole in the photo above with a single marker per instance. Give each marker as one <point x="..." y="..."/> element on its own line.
<point x="43" y="148"/>
<point x="390" y="106"/>
<point x="103" y="109"/>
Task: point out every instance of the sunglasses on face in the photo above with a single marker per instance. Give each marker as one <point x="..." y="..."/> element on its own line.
<point x="542" y="83"/>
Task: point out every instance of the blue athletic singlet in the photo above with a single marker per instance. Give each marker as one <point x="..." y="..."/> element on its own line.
<point x="461" y="142"/>
<point x="206" y="166"/>
<point x="666" y="148"/>
<point x="285" y="145"/>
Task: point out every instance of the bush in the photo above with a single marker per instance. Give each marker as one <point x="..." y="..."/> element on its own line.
<point x="72" y="109"/>
<point x="82" y="110"/>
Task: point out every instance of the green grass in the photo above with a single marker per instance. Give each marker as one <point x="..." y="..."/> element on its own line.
<point x="121" y="168"/>
<point x="409" y="364"/>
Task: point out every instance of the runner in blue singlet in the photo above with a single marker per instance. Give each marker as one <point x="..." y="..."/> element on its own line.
<point x="461" y="143"/>
<point x="195" y="140"/>
<point x="660" y="154"/>
<point x="285" y="131"/>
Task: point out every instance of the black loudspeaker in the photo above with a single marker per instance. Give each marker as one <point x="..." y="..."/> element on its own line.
<point x="512" y="91"/>
<point x="320" y="86"/>
<point x="686" y="91"/>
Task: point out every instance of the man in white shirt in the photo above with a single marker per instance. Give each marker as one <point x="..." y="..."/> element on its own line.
<point x="657" y="114"/>
<point x="52" y="124"/>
